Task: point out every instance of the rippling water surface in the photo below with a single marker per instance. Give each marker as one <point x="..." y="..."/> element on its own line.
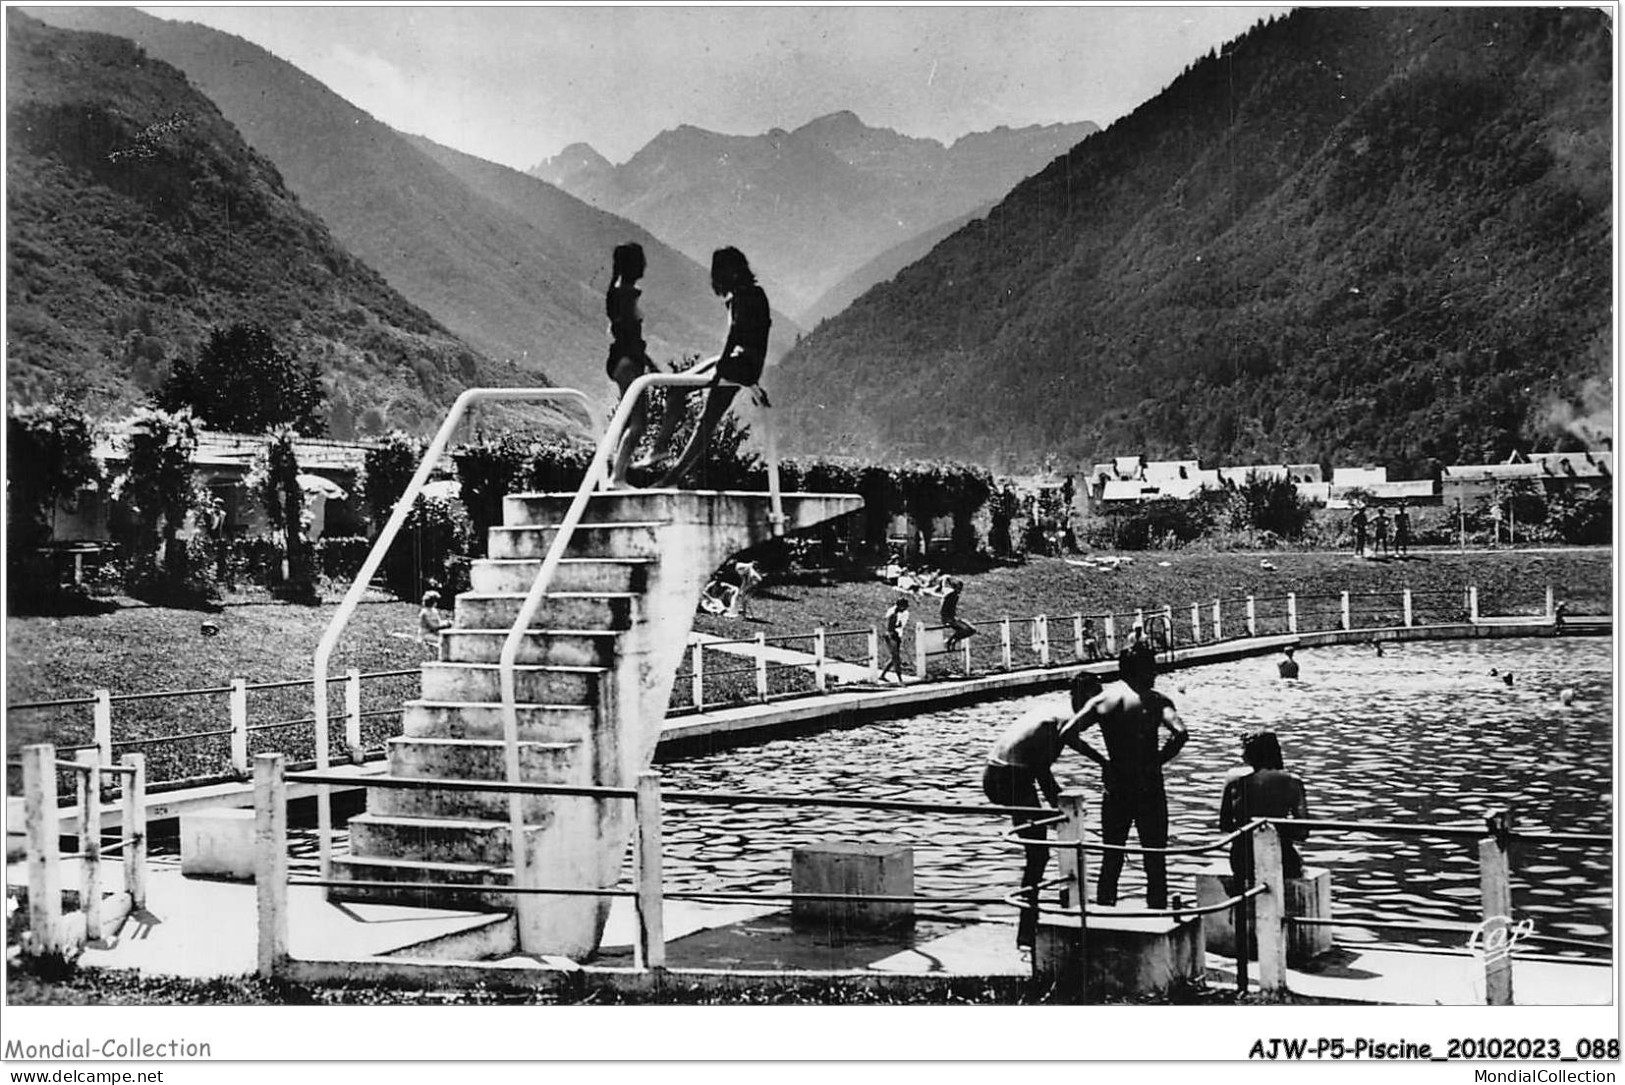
<point x="1422" y="733"/>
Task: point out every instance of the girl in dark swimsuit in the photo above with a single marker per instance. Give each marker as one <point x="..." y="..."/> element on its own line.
<point x="740" y="363"/>
<point x="628" y="358"/>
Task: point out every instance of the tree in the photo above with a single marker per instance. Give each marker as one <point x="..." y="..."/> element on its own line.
<point x="389" y="469"/>
<point x="48" y="455"/>
<point x="152" y="499"/>
<point x="243" y="382"/>
<point x="275" y="477"/>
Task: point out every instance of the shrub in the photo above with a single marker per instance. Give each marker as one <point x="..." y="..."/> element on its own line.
<point x="428" y="550"/>
<point x="388" y="470"/>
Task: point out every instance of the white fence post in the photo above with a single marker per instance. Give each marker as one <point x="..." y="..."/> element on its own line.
<point x="1347" y="622"/>
<point x="1291" y="612"/>
<point x="90" y="846"/>
<point x="874" y="654"/>
<point x="1551" y="604"/>
<point x="271" y="861"/>
<point x="239" y="726"/>
<point x="820" y="680"/>
<point x="650" y="874"/>
<point x="761" y="666"/>
<point x="1073" y="864"/>
<point x="1495" y="890"/>
<point x="1252" y="617"/>
<point x="1168" y="625"/>
<point x="1472" y="604"/>
<point x="919" y="650"/>
<point x="1077" y="636"/>
<point x="1043" y="640"/>
<point x="697" y="653"/>
<point x="1218" y="621"/>
<point x="135" y="829"/>
<point x="1196" y="624"/>
<point x="1004" y="641"/>
<point x="1139" y="616"/>
<point x="1409" y="618"/>
<point x="1270" y="911"/>
<point x="102" y="724"/>
<point x="44" y="849"/>
<point x="352" y="715"/>
<point x="1111" y="636"/>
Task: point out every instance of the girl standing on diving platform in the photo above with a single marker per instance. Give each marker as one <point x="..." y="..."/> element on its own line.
<point x="628" y="355"/>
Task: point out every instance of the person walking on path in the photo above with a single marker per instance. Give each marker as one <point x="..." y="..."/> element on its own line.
<point x="1402" y="531"/>
<point x="744" y="353"/>
<point x="1131" y="715"/>
<point x="892" y="629"/>
<point x="628" y="355"/>
<point x="1359" y="531"/>
<point x="958" y="628"/>
<point x="1018" y="771"/>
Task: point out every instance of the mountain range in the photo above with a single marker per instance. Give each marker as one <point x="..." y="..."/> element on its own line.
<point x="1351" y="235"/>
<point x="810" y="206"/>
<point x="137" y="220"/>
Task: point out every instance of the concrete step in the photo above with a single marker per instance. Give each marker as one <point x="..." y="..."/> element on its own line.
<point x="498" y="576"/>
<point x="553" y="647"/>
<point x="483" y="720"/>
<point x="606" y="506"/>
<point x="435" y="840"/>
<point x="559" y="610"/>
<point x="446" y="802"/>
<point x="640" y="539"/>
<point x="482" y="759"/>
<point x="532" y="684"/>
<point x="381" y="869"/>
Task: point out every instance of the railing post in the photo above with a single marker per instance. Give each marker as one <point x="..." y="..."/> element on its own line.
<point x="352" y="716"/>
<point x="1196" y="624"/>
<point x="874" y="654"/>
<point x="1551" y="604"/>
<point x="102" y="725"/>
<point x="44" y="849"/>
<point x="1111" y="636"/>
<point x="1472" y="604"/>
<point x="1077" y="636"/>
<point x="1495" y="890"/>
<point x="135" y="829"/>
<point x="1252" y="617"/>
<point x="651" y="921"/>
<point x="964" y="656"/>
<point x="1004" y="641"/>
<point x="238" y="707"/>
<point x="1409" y="618"/>
<point x="1270" y="910"/>
<point x="1074" y="871"/>
<point x="1218" y="621"/>
<point x="271" y="862"/>
<point x="919" y="650"/>
<point x="761" y="667"/>
<point x="1347" y="624"/>
<point x="1168" y="624"/>
<point x="1291" y="612"/>
<point x="1043" y="640"/>
<point x="90" y="846"/>
<point x="819" y="679"/>
<point x="698" y="693"/>
<point x="1139" y="616"/>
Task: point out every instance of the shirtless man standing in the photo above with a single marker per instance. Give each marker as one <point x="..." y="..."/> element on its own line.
<point x="1131" y="715"/>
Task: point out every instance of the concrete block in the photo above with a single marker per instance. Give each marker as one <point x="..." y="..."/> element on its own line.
<point x="882" y="870"/>
<point x="218" y="842"/>
<point x="1309" y="896"/>
<point x="588" y="540"/>
<point x="1124" y="956"/>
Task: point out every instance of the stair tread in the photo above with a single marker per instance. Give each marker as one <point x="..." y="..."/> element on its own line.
<point x="539" y="742"/>
<point x="581" y="526"/>
<point x="504" y="631"/>
<point x="482" y="824"/>
<point x="568" y="668"/>
<point x="544" y="706"/>
<point x="423" y="864"/>
<point x="606" y="560"/>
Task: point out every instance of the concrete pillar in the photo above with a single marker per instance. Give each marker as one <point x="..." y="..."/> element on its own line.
<point x="1077" y="636"/>
<point x="1042" y="629"/>
<point x="1111" y="636"/>
<point x="271" y="862"/>
<point x="1073" y="862"/>
<point x="1271" y="912"/>
<point x="135" y="829"/>
<point x="90" y="846"/>
<point x="874" y="655"/>
<point x="1218" y="622"/>
<point x="1252" y="617"/>
<point x="238" y="704"/>
<point x="650" y="874"/>
<point x="352" y="716"/>
<point x="761" y="667"/>
<point x="1346" y="618"/>
<point x="1495" y="889"/>
<point x="820" y="679"/>
<point x="697" y="691"/>
<point x="44" y="854"/>
<point x="919" y="650"/>
<point x="102" y="725"/>
<point x="1551" y="604"/>
<point x="1307" y="897"/>
<point x="1409" y="615"/>
<point x="1472" y="603"/>
<point x="1168" y="624"/>
<point x="1004" y="641"/>
<point x="1291" y="612"/>
<point x="1196" y="624"/>
<point x="852" y="870"/>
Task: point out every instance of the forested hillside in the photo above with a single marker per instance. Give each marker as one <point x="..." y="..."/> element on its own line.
<point x="1353" y="235"/>
<point x="138" y="220"/>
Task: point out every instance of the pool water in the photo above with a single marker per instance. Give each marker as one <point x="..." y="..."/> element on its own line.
<point x="1423" y="733"/>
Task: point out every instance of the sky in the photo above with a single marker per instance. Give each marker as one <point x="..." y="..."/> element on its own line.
<point x="516" y="84"/>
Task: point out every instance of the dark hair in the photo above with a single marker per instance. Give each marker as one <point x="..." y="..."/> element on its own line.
<point x="1084" y="688"/>
<point x="1137" y="665"/>
<point x="730" y="270"/>
<point x="1262" y="751"/>
<point x="627" y="263"/>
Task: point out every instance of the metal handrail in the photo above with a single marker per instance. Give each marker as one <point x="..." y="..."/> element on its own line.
<point x="597" y="474"/>
<point x="375" y="558"/>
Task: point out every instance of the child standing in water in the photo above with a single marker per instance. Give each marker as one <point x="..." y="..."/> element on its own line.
<point x="738" y="366"/>
<point x="628" y="357"/>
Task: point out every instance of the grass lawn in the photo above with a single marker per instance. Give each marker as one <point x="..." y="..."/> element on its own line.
<point x="137" y="648"/>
